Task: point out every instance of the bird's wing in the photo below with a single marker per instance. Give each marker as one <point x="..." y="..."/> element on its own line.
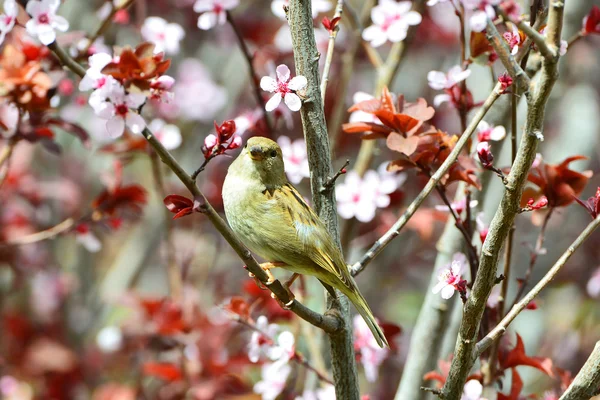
<point x="313" y="234"/>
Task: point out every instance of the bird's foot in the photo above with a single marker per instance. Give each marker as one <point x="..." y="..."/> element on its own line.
<point x="288" y="305"/>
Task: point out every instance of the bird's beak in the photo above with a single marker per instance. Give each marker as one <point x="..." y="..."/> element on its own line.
<point x="256" y="153"/>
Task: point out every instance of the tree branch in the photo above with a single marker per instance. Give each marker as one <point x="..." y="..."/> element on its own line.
<point x="499" y="330"/>
<point x="339" y="8"/>
<point x="502" y="222"/>
<point x="329" y="323"/>
<point x="319" y="158"/>
<point x="505" y="56"/>
<point x="587" y="382"/>
<point x="253" y="76"/>
<point x="382" y="242"/>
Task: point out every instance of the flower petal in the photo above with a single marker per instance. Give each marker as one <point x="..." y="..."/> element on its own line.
<point x="298" y="82"/>
<point x="283" y="73"/>
<point x="268" y="84"/>
<point x="273" y="102"/>
<point x="115" y="127"/>
<point x="447" y="292"/>
<point x="207" y="20"/>
<point x="135" y="122"/>
<point x="293" y="101"/>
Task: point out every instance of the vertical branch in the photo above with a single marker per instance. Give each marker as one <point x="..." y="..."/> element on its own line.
<point x="306" y="59"/>
<point x="332" y="36"/>
<point x="503" y="220"/>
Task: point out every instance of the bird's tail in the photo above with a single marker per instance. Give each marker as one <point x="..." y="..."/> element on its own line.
<point x="365" y="312"/>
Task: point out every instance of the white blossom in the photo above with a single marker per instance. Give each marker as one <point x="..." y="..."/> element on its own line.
<point x="44" y="20"/>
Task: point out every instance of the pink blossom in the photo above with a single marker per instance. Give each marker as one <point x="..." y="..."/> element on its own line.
<point x="482" y="11"/>
<point x="9" y="117"/>
<point x="450" y="279"/>
<point x="262" y="340"/>
<point x="44" y="20"/>
<point x="484" y="152"/>
<point x="194" y="78"/>
<point x="119" y="111"/>
<point x="360" y="197"/>
<point x="487" y="132"/>
<point x="109" y="339"/>
<point x="8" y="18"/>
<point x="513" y="39"/>
<point x="295" y="158"/>
<point x="214" y="12"/>
<point x="439" y="80"/>
<point x="318" y="6"/>
<point x="327" y="392"/>
<point x="94" y="78"/>
<point x="160" y="89"/>
<point x="168" y="135"/>
<point x="273" y="380"/>
<point x="165" y="36"/>
<point x="365" y="345"/>
<point x="13" y="389"/>
<point x="482" y="227"/>
<point x="284" y="349"/>
<point x="458" y="206"/>
<point x="391" y="20"/>
<point x="284" y="88"/>
<point x="505" y="81"/>
<point x="87" y="238"/>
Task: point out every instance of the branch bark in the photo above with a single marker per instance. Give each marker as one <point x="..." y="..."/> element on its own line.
<point x="587" y="382"/>
<point x="502" y="222"/>
<point x="306" y="57"/>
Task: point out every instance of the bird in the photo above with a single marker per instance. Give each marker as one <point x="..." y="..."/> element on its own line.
<point x="272" y="219"/>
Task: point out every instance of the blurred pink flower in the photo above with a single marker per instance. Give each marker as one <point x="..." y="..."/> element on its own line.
<point x="318" y="6"/>
<point x="166" y="36"/>
<point x="9" y="116"/>
<point x="119" y="108"/>
<point x="160" y="89"/>
<point x="261" y="341"/>
<point x="472" y="390"/>
<point x="273" y="380"/>
<point x="284" y="88"/>
<point x="295" y="158"/>
<point x="13" y="389"/>
<point x="458" y="206"/>
<point x="391" y="20"/>
<point x="44" y="20"/>
<point x="360" y="197"/>
<point x="109" y="339"/>
<point x="439" y="80"/>
<point x="487" y="132"/>
<point x="168" y="135"/>
<point x="8" y="18"/>
<point x="593" y="285"/>
<point x="482" y="227"/>
<point x="450" y="279"/>
<point x="87" y="238"/>
<point x="324" y="393"/>
<point x="94" y="78"/>
<point x="48" y="292"/>
<point x="365" y="345"/>
<point x="193" y="78"/>
<point x="483" y="10"/>
<point x="214" y="12"/>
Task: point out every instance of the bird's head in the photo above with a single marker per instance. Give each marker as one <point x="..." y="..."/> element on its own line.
<point x="262" y="158"/>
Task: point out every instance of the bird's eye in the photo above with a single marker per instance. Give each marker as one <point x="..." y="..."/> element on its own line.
<point x="273" y="153"/>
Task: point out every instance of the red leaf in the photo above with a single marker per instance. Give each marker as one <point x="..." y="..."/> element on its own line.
<point x="518" y="357"/>
<point x="366" y="127"/>
<point x="401" y="144"/>
<point x="165" y="371"/>
<point x="239" y="306"/>
<point x="591" y="22"/>
<point x="515" y="389"/>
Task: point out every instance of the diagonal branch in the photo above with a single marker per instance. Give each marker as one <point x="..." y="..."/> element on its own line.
<point x="499" y="330"/>
<point x="505" y="56"/>
<point x="537" y="97"/>
<point x="394" y="231"/>
<point x="329" y="323"/>
<point x="587" y="382"/>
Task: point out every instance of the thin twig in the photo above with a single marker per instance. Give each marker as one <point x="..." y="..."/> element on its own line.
<point x="534" y="35"/>
<point x="550" y="275"/>
<point x="330" y="182"/>
<point x="253" y="76"/>
<point x="105" y="24"/>
<point x="200" y="168"/>
<point x="535" y="252"/>
<point x="46" y="234"/>
<point x="5" y="156"/>
<point x="329" y="323"/>
<point x="394" y="231"/>
<point x="339" y="8"/>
